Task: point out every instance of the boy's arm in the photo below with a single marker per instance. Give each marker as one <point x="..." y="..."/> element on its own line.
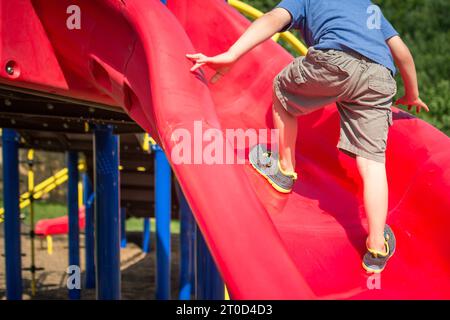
<point x="405" y="62"/>
<point x="260" y="30"/>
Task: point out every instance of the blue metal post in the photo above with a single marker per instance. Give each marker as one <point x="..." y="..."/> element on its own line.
<point x="88" y="200"/>
<point x="187" y="240"/>
<point x="163" y="210"/>
<point x="13" y="264"/>
<point x="209" y="284"/>
<point x="123" y="227"/>
<point x="72" y="201"/>
<point x="146" y="236"/>
<point x="162" y="214"/>
<point x="107" y="216"/>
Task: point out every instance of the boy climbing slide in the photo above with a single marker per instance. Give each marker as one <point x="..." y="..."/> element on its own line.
<point x="350" y="62"/>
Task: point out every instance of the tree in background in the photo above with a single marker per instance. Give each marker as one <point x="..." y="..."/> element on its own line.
<point x="425" y="27"/>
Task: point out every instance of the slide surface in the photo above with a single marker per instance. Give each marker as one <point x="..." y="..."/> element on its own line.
<point x="308" y="244"/>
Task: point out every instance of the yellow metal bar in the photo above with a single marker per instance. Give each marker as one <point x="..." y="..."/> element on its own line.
<point x="276" y="37"/>
<point x="245" y="8"/>
<point x="44" y="187"/>
<point x="152" y="141"/>
<point x="146" y="142"/>
<point x="227" y="296"/>
<point x="298" y="46"/>
<point x="80" y="194"/>
<point x="51" y="187"/>
<point x="49" y="244"/>
<point x="253" y="13"/>
<point x="30" y="157"/>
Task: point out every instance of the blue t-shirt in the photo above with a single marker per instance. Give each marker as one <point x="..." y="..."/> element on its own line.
<point x="344" y="25"/>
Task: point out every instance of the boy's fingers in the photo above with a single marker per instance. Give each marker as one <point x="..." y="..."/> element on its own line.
<point x="196" y="66"/>
<point x="193" y="55"/>
<point x="198" y="57"/>
<point x="418" y="105"/>
<point x="202" y="60"/>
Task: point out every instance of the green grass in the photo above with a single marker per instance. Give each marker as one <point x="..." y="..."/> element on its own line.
<point x="50" y="210"/>
<point x="44" y="210"/>
<point x="137" y="224"/>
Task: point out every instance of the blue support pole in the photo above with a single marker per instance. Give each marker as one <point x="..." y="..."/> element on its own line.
<point x="107" y="215"/>
<point x="209" y="284"/>
<point x="13" y="264"/>
<point x="88" y="200"/>
<point x="187" y="240"/>
<point x="146" y="236"/>
<point x="72" y="201"/>
<point x="162" y="214"/>
<point x="123" y="227"/>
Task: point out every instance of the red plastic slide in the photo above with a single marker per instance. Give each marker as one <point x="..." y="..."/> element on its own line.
<point x="60" y="225"/>
<point x="308" y="244"/>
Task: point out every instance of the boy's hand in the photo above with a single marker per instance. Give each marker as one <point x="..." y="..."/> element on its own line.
<point x="221" y="63"/>
<point x="259" y="31"/>
<point x="405" y="62"/>
<point x="412" y="102"/>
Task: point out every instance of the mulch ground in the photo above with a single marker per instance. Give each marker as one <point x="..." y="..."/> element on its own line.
<point x="137" y="268"/>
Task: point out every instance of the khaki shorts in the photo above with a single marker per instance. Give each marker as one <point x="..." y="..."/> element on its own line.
<point x="362" y="90"/>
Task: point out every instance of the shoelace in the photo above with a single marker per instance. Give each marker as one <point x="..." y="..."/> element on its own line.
<point x="376" y="253"/>
<point x="269" y="162"/>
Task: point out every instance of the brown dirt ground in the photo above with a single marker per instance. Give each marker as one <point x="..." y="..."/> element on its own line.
<point x="137" y="268"/>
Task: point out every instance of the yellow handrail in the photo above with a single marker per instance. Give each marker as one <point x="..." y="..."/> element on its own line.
<point x="147" y="142"/>
<point x="44" y="187"/>
<point x="248" y="10"/>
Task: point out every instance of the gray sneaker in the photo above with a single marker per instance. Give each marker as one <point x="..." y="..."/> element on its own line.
<point x="267" y="164"/>
<point x="375" y="261"/>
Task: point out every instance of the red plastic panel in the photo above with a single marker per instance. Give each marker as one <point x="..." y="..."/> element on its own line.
<point x="58" y="225"/>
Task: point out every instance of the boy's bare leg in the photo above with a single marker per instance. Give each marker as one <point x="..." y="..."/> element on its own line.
<point x="375" y="200"/>
<point x="287" y="126"/>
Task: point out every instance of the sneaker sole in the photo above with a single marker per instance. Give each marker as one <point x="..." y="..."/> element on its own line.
<point x="273" y="184"/>
<point x="370" y="270"/>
